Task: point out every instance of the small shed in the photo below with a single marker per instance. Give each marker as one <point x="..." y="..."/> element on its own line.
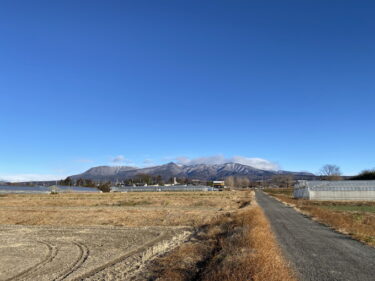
<point x="335" y="190"/>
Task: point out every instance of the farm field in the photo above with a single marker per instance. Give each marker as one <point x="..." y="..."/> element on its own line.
<point x="114" y="236"/>
<point x="354" y="218"/>
<point x="68" y="253"/>
<point x="117" y="209"/>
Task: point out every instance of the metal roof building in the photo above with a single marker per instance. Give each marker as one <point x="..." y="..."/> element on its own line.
<point x="335" y="190"/>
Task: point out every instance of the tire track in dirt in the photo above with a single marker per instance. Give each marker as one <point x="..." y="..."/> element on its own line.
<point x="138" y="250"/>
<point x="52" y="252"/>
<point x="84" y="253"/>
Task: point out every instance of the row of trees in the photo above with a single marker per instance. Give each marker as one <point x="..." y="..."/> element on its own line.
<point x="365" y="175"/>
<point x="80" y="182"/>
<point x="140" y="179"/>
<point x="234" y="181"/>
<point x="153" y="180"/>
<point x="144" y="179"/>
<point x="284" y="181"/>
<point x="103" y="186"/>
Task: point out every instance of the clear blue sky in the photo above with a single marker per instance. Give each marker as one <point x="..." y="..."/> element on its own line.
<point x="84" y="82"/>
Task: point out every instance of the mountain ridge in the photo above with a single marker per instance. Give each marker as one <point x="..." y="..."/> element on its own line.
<point x="197" y="171"/>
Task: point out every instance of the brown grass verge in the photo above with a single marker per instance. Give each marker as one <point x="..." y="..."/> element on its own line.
<point x="359" y="225"/>
<point x="233" y="247"/>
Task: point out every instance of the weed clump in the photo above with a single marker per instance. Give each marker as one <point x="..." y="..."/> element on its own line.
<point x="235" y="246"/>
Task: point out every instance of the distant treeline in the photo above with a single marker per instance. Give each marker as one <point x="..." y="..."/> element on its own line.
<point x="140" y="179"/>
<point x="365" y="175"/>
<point x="103" y="186"/>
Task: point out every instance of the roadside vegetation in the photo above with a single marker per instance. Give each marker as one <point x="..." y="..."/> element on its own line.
<point x="354" y="218"/>
<point x="235" y="246"/>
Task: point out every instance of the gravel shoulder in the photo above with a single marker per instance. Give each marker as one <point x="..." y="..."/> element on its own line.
<point x="317" y="252"/>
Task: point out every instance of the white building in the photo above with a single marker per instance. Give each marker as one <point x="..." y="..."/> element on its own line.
<point x="335" y="190"/>
<point x="218" y="184"/>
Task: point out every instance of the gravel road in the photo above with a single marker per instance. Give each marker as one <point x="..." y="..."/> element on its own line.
<point x="317" y="252"/>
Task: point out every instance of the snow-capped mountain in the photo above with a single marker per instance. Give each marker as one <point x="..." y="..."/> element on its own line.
<point x="199" y="171"/>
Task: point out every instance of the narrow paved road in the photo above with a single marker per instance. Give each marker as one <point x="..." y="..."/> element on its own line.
<point x="317" y="252"/>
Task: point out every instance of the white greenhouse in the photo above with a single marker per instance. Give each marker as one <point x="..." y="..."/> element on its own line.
<point x="335" y="190"/>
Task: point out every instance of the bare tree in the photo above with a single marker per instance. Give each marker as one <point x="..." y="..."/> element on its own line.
<point x="229" y="181"/>
<point x="283" y="181"/>
<point x="330" y="172"/>
<point x="242" y="181"/>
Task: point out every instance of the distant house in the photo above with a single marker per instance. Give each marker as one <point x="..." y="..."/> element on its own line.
<point x="335" y="190"/>
<point x="218" y="184"/>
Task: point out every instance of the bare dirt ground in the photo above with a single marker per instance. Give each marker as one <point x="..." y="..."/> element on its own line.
<point x="98" y="237"/>
<point x="67" y="253"/>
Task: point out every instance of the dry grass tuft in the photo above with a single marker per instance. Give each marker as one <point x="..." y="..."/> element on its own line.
<point x="250" y="253"/>
<point x="232" y="247"/>
<point x="359" y="225"/>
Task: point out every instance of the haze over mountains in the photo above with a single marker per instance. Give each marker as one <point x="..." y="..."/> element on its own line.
<point x="198" y="171"/>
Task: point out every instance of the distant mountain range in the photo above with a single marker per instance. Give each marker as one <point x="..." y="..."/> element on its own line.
<point x="199" y="172"/>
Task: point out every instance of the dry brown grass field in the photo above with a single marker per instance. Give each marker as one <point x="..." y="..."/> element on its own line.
<point x="354" y="218"/>
<point x="117" y="209"/>
<point x="164" y="235"/>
